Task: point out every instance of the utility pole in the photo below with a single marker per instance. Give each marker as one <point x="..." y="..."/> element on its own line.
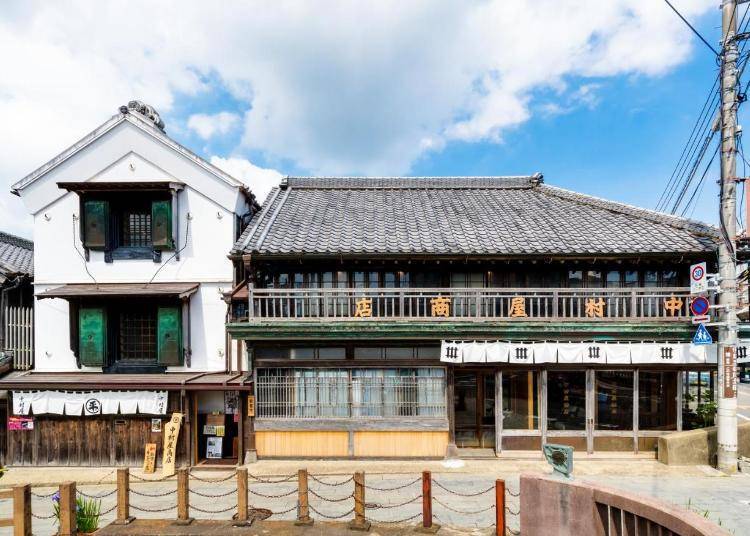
<point x="727" y="407"/>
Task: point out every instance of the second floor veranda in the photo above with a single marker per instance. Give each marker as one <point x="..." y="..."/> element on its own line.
<point x="662" y="304"/>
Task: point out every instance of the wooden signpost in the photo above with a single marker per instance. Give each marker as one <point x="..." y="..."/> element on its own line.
<point x="172" y="431"/>
<point x="149" y="458"/>
<point x="250" y="406"/>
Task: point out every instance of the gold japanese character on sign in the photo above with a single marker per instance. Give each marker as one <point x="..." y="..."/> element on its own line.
<point x="441" y="306"/>
<point x="518" y="307"/>
<point x="364" y="308"/>
<point x="595" y="307"/>
<point x="673" y="305"/>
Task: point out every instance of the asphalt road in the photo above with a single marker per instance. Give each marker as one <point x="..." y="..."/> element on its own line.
<point x="743" y="402"/>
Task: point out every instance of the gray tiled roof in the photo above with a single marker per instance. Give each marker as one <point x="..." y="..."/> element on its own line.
<point x="16" y="255"/>
<point x="498" y="216"/>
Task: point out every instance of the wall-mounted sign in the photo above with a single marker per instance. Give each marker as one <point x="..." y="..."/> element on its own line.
<point x="170" y="444"/>
<point x="156" y="426"/>
<point x="231" y="402"/>
<point x="250" y="405"/>
<point x="702" y="336"/>
<point x="20" y="423"/>
<point x="149" y="458"/>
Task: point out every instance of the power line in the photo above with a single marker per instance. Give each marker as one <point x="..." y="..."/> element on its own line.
<point x="716" y="53"/>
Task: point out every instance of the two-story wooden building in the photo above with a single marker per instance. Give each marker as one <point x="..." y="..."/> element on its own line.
<point x="131" y="233"/>
<point x="404" y="317"/>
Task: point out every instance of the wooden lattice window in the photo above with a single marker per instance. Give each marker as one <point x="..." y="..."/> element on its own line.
<point x="136" y="228"/>
<point x="138" y="334"/>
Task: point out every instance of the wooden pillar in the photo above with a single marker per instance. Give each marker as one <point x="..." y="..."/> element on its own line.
<point x="241" y="498"/>
<point x="186" y="404"/>
<point x="242" y="409"/>
<point x="68" y="522"/>
<point x="22" y="510"/>
<point x="427" y="525"/>
<point x="500" y="507"/>
<point x="303" y="510"/>
<point x="183" y="497"/>
<point x="123" y="497"/>
<point x="360" y="521"/>
<point x="452" y="450"/>
<point x="498" y="412"/>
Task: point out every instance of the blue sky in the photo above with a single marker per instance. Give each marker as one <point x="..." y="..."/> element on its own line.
<point x="601" y="100"/>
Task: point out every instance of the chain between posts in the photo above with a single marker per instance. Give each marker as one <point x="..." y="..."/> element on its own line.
<point x="102" y="496"/>
<point x="270" y="495"/>
<point x="43" y="495"/>
<point x="462" y="494"/>
<point x="211" y="495"/>
<point x="37" y="516"/>
<point x="232" y="507"/>
<point x="509" y="492"/>
<point x="375" y="506"/>
<point x="511" y="512"/>
<point x="332" y="484"/>
<point x="322" y="498"/>
<point x="151" y="495"/>
<point x="168" y="508"/>
<point x="212" y="480"/>
<point x="469" y="512"/>
<point x="140" y="479"/>
<point x="264" y="480"/>
<point x="404" y="520"/>
<point x="373" y="488"/>
<point x="345" y="514"/>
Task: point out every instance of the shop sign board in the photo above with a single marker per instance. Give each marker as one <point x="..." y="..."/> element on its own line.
<point x="156" y="426"/>
<point x="149" y="458"/>
<point x="251" y="405"/>
<point x="20" y="423"/>
<point x="172" y="432"/>
<point x="698" y="281"/>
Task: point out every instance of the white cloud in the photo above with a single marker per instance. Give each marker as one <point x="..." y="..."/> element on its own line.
<point x="206" y="126"/>
<point x="356" y="87"/>
<point x="260" y="180"/>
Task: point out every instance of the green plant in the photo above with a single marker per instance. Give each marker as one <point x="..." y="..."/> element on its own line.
<point x="88" y="512"/>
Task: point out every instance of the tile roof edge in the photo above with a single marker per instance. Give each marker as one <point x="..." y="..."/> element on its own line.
<point x="326" y="182"/>
<point x="275" y="215"/>
<point x="16" y="240"/>
<point x="241" y="246"/>
<point x="679" y="222"/>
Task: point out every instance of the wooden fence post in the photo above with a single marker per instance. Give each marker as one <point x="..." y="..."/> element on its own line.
<point x="500" y="507"/>
<point x="427" y="525"/>
<point x="241" y="498"/>
<point x="183" y="497"/>
<point x="303" y="501"/>
<point x="22" y="510"/>
<point x="68" y="522"/>
<point x="123" y="497"/>
<point x="360" y="521"/>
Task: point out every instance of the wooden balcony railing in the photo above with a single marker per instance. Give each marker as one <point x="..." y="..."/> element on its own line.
<point x="499" y="304"/>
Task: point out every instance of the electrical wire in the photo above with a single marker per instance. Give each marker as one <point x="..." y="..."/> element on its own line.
<point x="75" y="247"/>
<point x="177" y="252"/>
<point x="692" y="28"/>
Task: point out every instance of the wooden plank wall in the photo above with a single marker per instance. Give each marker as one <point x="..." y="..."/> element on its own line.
<point x="90" y="441"/>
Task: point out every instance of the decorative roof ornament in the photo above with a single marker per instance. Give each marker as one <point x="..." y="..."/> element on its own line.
<point x="146" y="111"/>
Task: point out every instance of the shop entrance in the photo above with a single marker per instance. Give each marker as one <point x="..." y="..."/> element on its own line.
<point x="217" y="425"/>
<point x="474" y="404"/>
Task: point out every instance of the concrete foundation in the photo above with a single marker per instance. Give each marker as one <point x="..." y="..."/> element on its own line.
<point x="698" y="447"/>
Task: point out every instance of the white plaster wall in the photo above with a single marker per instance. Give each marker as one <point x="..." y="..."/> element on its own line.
<point x="128" y="154"/>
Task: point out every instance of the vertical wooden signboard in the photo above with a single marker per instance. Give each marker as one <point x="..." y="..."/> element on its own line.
<point x="149" y="458"/>
<point x="730" y="374"/>
<point x="171" y="433"/>
<point x="250" y="406"/>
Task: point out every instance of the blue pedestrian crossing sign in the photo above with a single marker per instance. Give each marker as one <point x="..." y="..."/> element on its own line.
<point x="702" y="336"/>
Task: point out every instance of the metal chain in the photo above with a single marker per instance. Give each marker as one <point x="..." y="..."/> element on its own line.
<point x="211" y="496"/>
<point x="281" y="513"/>
<point x="270" y="495"/>
<point x="321" y="514"/>
<point x="102" y="496"/>
<point x="232" y="507"/>
<point x="332" y="484"/>
<point x="322" y="498"/>
<point x="168" y="508"/>
<point x="512" y="532"/>
<point x="43" y="495"/>
<point x="269" y="481"/>
<point x="393" y="489"/>
<point x="44" y="517"/>
<point x="509" y="492"/>
<point x="108" y="511"/>
<point x="383" y="507"/>
<point x="511" y="512"/>
<point x="162" y="479"/>
<point x="441" y="503"/>
<point x="141" y="494"/>
<point x="404" y="520"/>
<point x="212" y="480"/>
<point x="461" y="494"/>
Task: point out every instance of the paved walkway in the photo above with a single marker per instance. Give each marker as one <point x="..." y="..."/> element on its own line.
<point x="463" y="496"/>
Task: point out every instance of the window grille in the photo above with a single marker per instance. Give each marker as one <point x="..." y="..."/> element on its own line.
<point x="351" y="393"/>
<point x="138" y="334"/>
<point x="136" y="229"/>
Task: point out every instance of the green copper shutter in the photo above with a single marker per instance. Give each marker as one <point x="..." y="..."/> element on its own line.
<point x="92" y="329"/>
<point x="95" y="220"/>
<point x="169" y="335"/>
<point x="161" y="224"/>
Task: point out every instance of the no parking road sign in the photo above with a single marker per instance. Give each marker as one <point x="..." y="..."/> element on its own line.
<point x="699" y="307"/>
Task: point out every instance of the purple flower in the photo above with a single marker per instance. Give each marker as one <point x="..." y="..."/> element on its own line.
<point x="56" y="497"/>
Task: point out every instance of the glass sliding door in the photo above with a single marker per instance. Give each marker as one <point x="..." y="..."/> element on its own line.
<point x="474" y="408"/>
<point x="520" y="392"/>
<point x="657" y="406"/>
<point x="567" y="409"/>
<point x="613" y="410"/>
